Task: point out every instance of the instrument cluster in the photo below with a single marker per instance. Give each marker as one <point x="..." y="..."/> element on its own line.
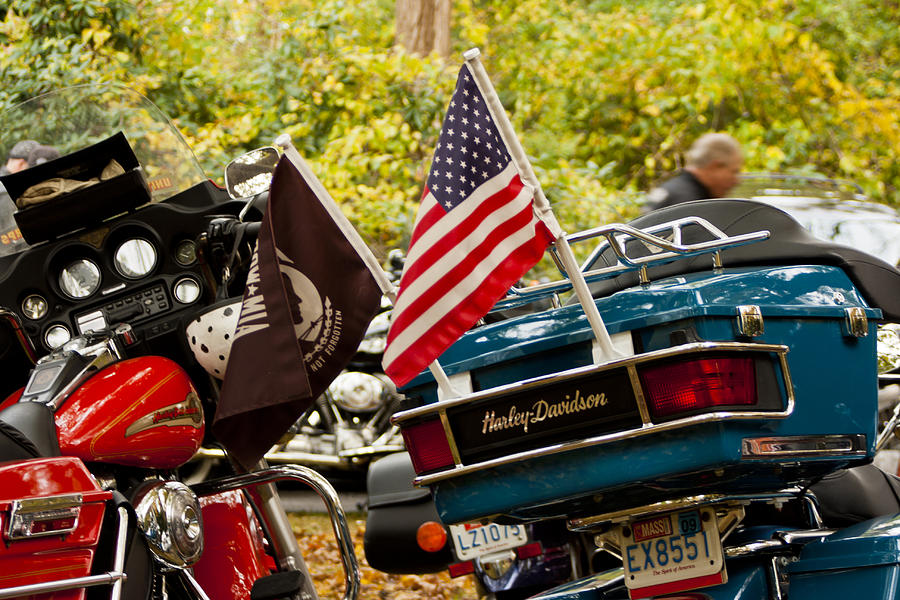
<point x="131" y="272"/>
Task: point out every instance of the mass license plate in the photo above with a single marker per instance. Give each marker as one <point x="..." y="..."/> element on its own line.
<point x="671" y="553"/>
<point x="472" y="540"/>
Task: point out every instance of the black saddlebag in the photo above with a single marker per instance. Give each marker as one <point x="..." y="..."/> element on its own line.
<point x="396" y="510"/>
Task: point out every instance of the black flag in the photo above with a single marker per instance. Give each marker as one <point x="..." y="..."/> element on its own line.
<point x="308" y="300"/>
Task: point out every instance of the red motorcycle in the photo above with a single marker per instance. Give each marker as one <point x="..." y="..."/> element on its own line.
<point x="107" y="255"/>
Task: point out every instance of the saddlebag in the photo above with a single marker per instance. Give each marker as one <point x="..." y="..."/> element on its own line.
<point x="396" y="510"/>
<point x="860" y="560"/>
<point x="52" y="511"/>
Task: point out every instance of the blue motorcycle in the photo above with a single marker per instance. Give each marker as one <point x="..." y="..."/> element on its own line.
<point x="723" y="450"/>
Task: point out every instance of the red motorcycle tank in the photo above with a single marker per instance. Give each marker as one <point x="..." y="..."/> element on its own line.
<point x="140" y="412"/>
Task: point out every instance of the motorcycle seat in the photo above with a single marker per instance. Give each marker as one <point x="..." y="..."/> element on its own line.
<point x="789" y="244"/>
<point x="27" y="430"/>
<point x="14" y="445"/>
<point x="854" y="495"/>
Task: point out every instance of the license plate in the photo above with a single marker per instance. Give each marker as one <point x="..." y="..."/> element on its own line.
<point x="473" y="540"/>
<point x="672" y="553"/>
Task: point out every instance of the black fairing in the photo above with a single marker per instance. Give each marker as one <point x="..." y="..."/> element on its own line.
<point x="789" y="244"/>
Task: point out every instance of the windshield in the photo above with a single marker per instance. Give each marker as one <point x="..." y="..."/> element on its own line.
<point x="76" y="117"/>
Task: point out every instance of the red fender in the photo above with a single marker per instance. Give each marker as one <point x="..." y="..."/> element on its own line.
<point x="234" y="555"/>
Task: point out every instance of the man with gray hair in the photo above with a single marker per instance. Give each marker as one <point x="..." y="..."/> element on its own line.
<point x="711" y="169"/>
<point x="18" y="157"/>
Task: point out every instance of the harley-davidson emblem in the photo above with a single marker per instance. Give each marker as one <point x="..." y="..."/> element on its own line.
<point x="553" y="411"/>
<point x="541" y="410"/>
<point x="188" y="412"/>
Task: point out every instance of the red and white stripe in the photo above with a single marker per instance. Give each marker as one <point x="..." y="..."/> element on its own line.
<point x="458" y="265"/>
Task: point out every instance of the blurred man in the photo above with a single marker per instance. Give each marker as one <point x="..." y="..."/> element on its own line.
<point x="18" y="157"/>
<point x="42" y="154"/>
<point x="712" y="166"/>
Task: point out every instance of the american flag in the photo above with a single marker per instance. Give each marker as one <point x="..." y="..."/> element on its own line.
<point x="475" y="235"/>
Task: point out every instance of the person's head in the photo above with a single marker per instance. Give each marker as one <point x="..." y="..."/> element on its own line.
<point x="42" y="154"/>
<point x="18" y="155"/>
<point x="716" y="160"/>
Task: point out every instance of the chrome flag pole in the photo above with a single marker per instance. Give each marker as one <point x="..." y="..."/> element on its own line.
<point x="542" y="205"/>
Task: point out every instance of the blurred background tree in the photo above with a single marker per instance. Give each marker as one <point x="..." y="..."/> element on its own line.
<point x="605" y="96"/>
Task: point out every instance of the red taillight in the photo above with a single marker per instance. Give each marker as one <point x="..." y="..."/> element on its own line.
<point x="461" y="568"/>
<point x="427" y="446"/>
<point x="698" y="384"/>
<point x="529" y="550"/>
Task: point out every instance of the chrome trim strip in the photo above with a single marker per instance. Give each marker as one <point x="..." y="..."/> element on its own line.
<point x="325" y="491"/>
<point x="451" y="440"/>
<point x="113" y="578"/>
<point x="801" y="536"/>
<point x="42" y="509"/>
<point x="646" y="429"/>
<point x="587" y="369"/>
<point x="804" y="445"/>
<point x="639" y="396"/>
<point x="755" y="548"/>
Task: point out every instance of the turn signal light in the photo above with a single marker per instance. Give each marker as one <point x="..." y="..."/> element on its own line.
<point x="692" y="386"/>
<point x="431" y="536"/>
<point x="427" y="446"/>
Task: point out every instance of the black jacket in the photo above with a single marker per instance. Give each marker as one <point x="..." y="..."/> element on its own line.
<point x="684" y="187"/>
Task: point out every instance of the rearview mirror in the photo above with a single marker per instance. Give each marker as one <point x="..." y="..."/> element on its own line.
<point x="251" y="173"/>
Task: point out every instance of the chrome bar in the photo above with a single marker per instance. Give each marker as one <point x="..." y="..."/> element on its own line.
<point x="802" y="536"/>
<point x="115" y="578"/>
<point x="616" y="234"/>
<point x="108" y="578"/>
<point x="436" y="409"/>
<point x="325" y="491"/>
<point x="755" y="548"/>
<point x="193" y="584"/>
<point x="119" y="559"/>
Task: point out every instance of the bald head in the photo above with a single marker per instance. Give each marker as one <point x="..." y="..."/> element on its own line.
<point x="716" y="160"/>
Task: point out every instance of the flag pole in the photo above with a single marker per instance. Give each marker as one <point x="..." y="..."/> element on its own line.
<point x="365" y="253"/>
<point x="542" y="205"/>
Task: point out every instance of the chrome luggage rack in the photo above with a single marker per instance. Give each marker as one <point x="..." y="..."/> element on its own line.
<point x="115" y="577"/>
<point x="663" y="241"/>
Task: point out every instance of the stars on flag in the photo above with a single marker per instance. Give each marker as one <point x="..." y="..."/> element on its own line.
<point x="469" y="151"/>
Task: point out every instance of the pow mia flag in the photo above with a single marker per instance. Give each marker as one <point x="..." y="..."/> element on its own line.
<point x="308" y="300"/>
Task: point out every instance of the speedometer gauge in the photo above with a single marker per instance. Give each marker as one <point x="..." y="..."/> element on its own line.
<point x="135" y="258"/>
<point x="80" y="278"/>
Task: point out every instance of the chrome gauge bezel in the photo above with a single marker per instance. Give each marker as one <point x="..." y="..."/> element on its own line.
<point x="178" y="290"/>
<point x="135" y="258"/>
<point x="186" y="253"/>
<point x="81" y="268"/>
<point x="56" y="327"/>
<point x="35" y="307"/>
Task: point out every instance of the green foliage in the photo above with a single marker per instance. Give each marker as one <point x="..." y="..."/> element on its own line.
<point x="606" y="96"/>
